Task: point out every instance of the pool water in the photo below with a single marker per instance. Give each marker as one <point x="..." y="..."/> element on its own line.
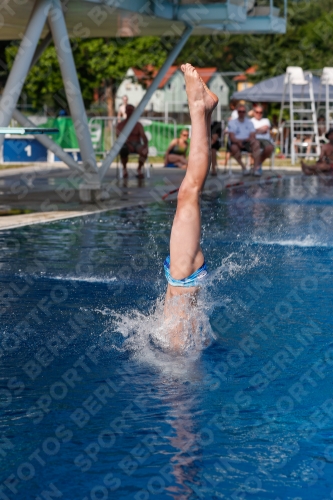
<point x="93" y="407"/>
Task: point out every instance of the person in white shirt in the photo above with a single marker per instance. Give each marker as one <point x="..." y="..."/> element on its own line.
<point x="242" y="136"/>
<point x="263" y="127"/>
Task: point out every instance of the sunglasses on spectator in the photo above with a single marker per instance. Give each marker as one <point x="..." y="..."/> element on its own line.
<point x="259" y="112"/>
<point x="241" y="111"/>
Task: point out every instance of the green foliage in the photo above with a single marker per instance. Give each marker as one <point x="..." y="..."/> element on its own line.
<point x="308" y="42"/>
<point x="97" y="61"/>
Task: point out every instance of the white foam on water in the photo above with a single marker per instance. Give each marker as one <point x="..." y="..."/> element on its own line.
<point x="81" y="279"/>
<point x="147" y="336"/>
<point x="87" y="279"/>
<point x="307" y="242"/>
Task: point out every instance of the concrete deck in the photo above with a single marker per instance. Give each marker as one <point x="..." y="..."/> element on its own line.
<point x="51" y="193"/>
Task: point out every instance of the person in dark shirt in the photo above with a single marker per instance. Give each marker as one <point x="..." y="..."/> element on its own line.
<point x="136" y="142"/>
<point x="216" y="132"/>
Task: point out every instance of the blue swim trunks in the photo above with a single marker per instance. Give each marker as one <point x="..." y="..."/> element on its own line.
<point x="193" y="280"/>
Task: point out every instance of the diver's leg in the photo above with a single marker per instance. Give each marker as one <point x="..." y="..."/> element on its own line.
<point x="214" y="161"/>
<point x="185" y="252"/>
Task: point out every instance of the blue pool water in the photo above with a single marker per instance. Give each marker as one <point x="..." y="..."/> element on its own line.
<point x="92" y="407"/>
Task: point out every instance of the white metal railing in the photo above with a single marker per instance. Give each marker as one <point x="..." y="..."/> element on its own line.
<point x="302" y="145"/>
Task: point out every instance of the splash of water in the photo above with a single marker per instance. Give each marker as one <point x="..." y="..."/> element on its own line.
<point x="147" y="336"/>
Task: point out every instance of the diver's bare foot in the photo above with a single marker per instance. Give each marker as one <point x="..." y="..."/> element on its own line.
<point x="199" y="95"/>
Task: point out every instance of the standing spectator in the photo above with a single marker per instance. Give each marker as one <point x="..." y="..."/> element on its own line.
<point x="262" y="127"/>
<point x="242" y="137"/>
<point x="122" y="109"/>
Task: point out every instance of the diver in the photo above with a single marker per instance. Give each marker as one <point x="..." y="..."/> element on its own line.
<point x="185" y="268"/>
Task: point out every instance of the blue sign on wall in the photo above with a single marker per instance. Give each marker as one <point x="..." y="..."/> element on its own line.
<point x="76" y="155"/>
<point x="23" y="150"/>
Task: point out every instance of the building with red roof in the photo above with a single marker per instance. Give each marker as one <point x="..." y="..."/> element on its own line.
<point x="170" y="96"/>
<point x="242" y="81"/>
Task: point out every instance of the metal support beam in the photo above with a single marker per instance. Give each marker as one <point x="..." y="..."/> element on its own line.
<point x="41" y="48"/>
<point x="144" y="101"/>
<point x="47" y="142"/>
<point x="25" y="122"/>
<point x="73" y="92"/>
<point x="22" y="62"/>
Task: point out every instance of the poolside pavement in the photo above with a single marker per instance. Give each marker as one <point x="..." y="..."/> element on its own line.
<point x="49" y="193"/>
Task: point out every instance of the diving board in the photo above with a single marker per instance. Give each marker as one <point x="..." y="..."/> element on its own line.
<point x="27" y="130"/>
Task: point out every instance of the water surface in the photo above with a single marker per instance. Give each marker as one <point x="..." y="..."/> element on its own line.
<point x="91" y="407"/>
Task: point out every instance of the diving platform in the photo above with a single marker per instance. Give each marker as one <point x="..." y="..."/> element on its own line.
<point x="131" y="18"/>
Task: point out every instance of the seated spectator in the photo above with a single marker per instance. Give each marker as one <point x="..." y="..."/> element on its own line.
<point x="325" y="161"/>
<point x="216" y="131"/>
<point x="176" y="152"/>
<point x="242" y="137"/>
<point x="136" y="142"/>
<point x="263" y="127"/>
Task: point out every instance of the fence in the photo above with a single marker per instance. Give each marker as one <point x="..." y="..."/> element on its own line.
<point x="103" y="133"/>
<point x="159" y="134"/>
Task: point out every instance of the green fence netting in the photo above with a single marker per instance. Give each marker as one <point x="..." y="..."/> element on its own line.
<point x="103" y="135"/>
<point x="66" y="138"/>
